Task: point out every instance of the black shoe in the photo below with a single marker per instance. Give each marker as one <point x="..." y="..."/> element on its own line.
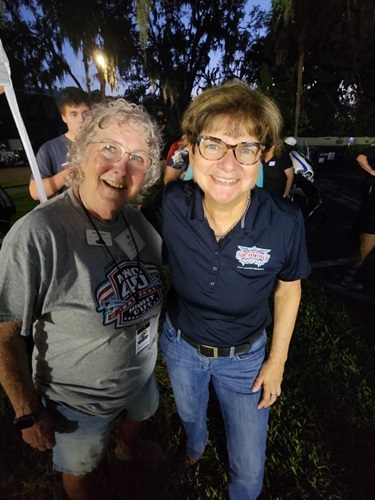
<point x="188" y="471"/>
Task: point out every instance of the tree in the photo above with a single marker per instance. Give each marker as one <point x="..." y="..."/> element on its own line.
<point x="354" y="39"/>
<point x="42" y="24"/>
<point x="96" y="34"/>
<point x="315" y="57"/>
<point x="318" y="58"/>
<point x="33" y="45"/>
<point x="194" y="44"/>
<point x="294" y="26"/>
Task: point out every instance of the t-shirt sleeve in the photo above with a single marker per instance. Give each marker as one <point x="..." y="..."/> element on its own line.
<point x="370" y="154"/>
<point x="285" y="161"/>
<point x="44" y="162"/>
<point x="22" y="285"/>
<point x="296" y="265"/>
<point x="51" y="157"/>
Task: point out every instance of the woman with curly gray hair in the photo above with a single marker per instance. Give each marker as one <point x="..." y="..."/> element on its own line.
<point x="88" y="265"/>
<point x="124" y="114"/>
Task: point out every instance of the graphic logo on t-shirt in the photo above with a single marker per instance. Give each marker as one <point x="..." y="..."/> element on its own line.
<point x="253" y="256"/>
<point x="130" y="291"/>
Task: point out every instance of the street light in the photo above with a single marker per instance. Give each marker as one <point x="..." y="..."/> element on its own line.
<point x="101" y="61"/>
<point x="101" y="65"/>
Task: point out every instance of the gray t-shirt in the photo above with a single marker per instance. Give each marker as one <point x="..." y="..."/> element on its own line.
<point x="52" y="155"/>
<point x="94" y="320"/>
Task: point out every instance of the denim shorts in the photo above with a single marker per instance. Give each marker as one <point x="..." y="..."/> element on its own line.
<point x="82" y="445"/>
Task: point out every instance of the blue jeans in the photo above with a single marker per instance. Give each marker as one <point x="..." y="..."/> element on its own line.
<point x="232" y="378"/>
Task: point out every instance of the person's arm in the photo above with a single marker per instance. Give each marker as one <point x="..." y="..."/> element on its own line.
<point x="15" y="377"/>
<point x="363" y="163"/>
<point x="289" y="174"/>
<point x="171" y="174"/>
<point x="286" y="302"/>
<point x="51" y="184"/>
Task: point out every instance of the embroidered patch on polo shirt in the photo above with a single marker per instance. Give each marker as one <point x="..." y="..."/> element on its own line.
<point x="253" y="256"/>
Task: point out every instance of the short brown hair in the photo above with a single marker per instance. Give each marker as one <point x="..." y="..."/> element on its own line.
<point x="71" y="96"/>
<point x="245" y="108"/>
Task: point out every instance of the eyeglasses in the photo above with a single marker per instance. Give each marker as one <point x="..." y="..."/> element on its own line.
<point x="212" y="148"/>
<point x="138" y="161"/>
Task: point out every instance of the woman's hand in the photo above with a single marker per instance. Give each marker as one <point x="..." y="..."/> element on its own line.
<point x="41" y="435"/>
<point x="269" y="380"/>
<point x="287" y="298"/>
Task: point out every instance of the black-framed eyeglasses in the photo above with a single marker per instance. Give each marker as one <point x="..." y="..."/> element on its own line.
<point x="138" y="161"/>
<point x="212" y="148"/>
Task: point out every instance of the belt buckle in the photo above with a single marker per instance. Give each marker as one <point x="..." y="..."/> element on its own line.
<point x="215" y="351"/>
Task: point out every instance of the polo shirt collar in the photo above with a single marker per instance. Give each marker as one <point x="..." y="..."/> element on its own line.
<point x="196" y="204"/>
<point x="258" y="215"/>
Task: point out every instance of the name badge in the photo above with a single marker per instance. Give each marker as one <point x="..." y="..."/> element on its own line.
<point x="101" y="239"/>
<point x="130" y="242"/>
<point x="142" y="338"/>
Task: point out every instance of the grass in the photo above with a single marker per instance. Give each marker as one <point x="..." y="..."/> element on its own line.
<point x="23" y="203"/>
<point x="16" y="181"/>
<point x="321" y="432"/>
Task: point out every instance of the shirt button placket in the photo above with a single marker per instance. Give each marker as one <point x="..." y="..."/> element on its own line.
<point x="215" y="268"/>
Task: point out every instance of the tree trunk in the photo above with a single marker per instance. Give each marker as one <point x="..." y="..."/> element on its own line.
<point x="87" y="76"/>
<point x="102" y="85"/>
<point x="301" y="59"/>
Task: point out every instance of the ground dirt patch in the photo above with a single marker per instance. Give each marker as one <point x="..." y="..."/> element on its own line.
<point x="15" y="174"/>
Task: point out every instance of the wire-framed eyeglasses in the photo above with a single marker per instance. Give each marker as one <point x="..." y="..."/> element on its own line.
<point x="138" y="161"/>
<point x="212" y="148"/>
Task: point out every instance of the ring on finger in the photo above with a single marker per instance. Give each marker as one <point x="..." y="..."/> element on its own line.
<point x="274" y="396"/>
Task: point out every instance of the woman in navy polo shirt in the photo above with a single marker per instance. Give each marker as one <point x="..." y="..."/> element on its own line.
<point x="229" y="244"/>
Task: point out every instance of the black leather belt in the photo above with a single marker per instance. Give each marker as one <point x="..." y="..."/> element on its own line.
<point x="216" y="352"/>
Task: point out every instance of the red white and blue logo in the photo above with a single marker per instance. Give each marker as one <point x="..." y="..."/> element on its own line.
<point x="130" y="291"/>
<point x="253" y="256"/>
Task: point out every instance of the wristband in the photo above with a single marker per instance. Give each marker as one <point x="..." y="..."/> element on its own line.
<point x="27" y="421"/>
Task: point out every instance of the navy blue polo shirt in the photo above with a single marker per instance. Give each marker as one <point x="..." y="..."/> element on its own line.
<point x="221" y="290"/>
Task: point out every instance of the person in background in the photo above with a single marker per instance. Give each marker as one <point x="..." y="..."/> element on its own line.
<point x="364" y="223"/>
<point x="176" y="161"/>
<point x="177" y="166"/>
<point x="73" y="104"/>
<point x="278" y="174"/>
<point x="82" y="271"/>
<point x="175" y="146"/>
<point x="241" y="244"/>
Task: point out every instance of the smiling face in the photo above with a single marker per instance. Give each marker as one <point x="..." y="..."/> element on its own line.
<point x="225" y="182"/>
<point x="107" y="186"/>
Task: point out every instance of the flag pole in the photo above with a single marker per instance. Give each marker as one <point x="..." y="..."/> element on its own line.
<point x="6" y="83"/>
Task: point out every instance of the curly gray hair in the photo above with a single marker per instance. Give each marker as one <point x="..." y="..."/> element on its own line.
<point x="101" y="116"/>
